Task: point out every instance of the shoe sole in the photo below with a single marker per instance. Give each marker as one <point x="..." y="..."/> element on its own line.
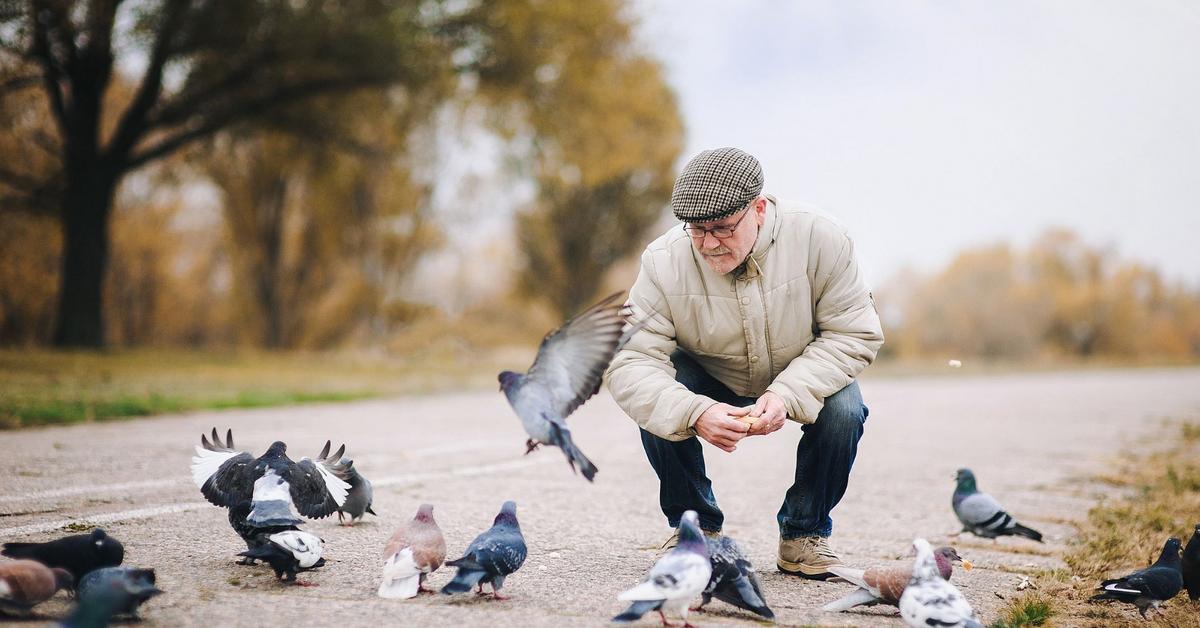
<point x="805" y="571"/>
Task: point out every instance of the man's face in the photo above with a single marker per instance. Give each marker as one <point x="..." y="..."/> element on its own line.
<point x="723" y="254"/>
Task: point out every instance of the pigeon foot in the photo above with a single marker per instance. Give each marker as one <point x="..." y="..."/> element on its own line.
<point x="664" y="619"/>
<point x="305" y="583"/>
<point x="531" y="446"/>
<point x="245" y="561"/>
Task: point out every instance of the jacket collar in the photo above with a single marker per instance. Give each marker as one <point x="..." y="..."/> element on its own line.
<point x="752" y="266"/>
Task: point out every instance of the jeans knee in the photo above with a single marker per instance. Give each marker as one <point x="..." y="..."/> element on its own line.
<point x="844" y="410"/>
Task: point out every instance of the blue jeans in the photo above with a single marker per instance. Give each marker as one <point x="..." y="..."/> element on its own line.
<point x="824" y="458"/>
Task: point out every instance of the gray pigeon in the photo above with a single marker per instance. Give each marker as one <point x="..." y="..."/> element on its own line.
<point x="675" y="580"/>
<point x="27" y="583"/>
<point x="491" y="557"/>
<point x="360" y="496"/>
<point x="117" y="590"/>
<point x="272" y="483"/>
<point x="567" y="371"/>
<point x="1190" y="565"/>
<point x="733" y="578"/>
<point x="1151" y="586"/>
<point x="929" y="600"/>
<point x="981" y="514"/>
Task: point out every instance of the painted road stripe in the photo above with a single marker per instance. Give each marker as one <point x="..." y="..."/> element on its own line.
<point x="169" y="509"/>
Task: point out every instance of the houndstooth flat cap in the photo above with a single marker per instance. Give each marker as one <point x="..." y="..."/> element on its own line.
<point x="715" y="184"/>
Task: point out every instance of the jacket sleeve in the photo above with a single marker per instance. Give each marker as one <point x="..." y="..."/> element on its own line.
<point x="641" y="377"/>
<point x="848" y="331"/>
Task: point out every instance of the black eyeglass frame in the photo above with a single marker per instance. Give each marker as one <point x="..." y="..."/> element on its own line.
<point x="719" y="233"/>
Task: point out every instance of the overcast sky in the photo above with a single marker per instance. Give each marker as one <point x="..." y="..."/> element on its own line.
<point x="929" y="127"/>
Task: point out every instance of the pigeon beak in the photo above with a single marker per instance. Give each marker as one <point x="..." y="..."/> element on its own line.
<point x="967" y="565"/>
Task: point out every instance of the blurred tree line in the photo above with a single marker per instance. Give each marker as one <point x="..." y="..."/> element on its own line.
<point x="314" y="125"/>
<point x="1060" y="297"/>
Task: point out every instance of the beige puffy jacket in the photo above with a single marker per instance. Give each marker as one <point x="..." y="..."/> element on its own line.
<point x="797" y="320"/>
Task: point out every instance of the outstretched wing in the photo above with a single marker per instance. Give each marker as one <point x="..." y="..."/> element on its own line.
<point x="572" y="359"/>
<point x="319" y="487"/>
<point x="222" y="472"/>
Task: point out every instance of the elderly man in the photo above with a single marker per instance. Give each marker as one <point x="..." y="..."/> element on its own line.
<point x="755" y="312"/>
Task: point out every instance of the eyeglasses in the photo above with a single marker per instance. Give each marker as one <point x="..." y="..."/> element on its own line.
<point x="698" y="232"/>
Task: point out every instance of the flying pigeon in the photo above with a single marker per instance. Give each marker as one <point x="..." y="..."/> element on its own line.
<point x="290" y="552"/>
<point x="1151" y="586"/>
<point x="27" y="583"/>
<point x="491" y="557"/>
<point x="414" y="551"/>
<point x="981" y="514"/>
<point x="930" y="600"/>
<point x="733" y="579"/>
<point x="675" y="580"/>
<point x="359" y="497"/>
<point x="273" y="483"/>
<point x="1190" y="565"/>
<point x="78" y="553"/>
<point x="118" y="590"/>
<point x="886" y="584"/>
<point x="567" y="371"/>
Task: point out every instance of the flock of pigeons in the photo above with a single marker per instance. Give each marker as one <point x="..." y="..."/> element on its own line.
<point x="266" y="497"/>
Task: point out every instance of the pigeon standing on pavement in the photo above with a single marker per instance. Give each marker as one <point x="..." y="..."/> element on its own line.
<point x="27" y="583"/>
<point x="675" y="580"/>
<point x="415" y="550"/>
<point x="290" y="552"/>
<point x="981" y="514"/>
<point x="567" y="371"/>
<point x="930" y="600"/>
<point x="78" y="553"/>
<point x="119" y="590"/>
<point x="272" y="483"/>
<point x="254" y="536"/>
<point x="1190" y="565"/>
<point x="886" y="584"/>
<point x="491" y="557"/>
<point x="733" y="578"/>
<point x="1151" y="586"/>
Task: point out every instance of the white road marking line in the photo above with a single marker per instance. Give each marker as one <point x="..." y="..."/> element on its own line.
<point x="168" y="509"/>
<point x="174" y="483"/>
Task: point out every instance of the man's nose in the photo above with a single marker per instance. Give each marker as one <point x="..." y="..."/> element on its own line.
<point x="710" y="237"/>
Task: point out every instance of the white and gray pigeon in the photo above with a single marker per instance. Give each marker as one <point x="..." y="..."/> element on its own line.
<point x="567" y="372"/>
<point x="981" y="514"/>
<point x="733" y="578"/>
<point x="929" y="600"/>
<point x="675" y="580"/>
<point x="272" y="483"/>
<point x="360" y="496"/>
<point x="1151" y="586"/>
<point x="491" y="557"/>
<point x="290" y="552"/>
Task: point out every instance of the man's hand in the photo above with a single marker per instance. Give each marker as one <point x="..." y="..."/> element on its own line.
<point x="719" y="425"/>
<point x="771" y="414"/>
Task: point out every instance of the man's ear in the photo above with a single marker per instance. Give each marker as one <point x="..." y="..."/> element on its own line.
<point x="760" y="209"/>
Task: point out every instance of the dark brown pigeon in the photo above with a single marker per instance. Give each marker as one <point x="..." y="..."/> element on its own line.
<point x="27" y="583"/>
<point x="415" y="550"/>
<point x="567" y="372"/>
<point x="885" y="585"/>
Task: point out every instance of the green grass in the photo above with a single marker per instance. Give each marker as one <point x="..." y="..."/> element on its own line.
<point x="1031" y="609"/>
<point x="50" y="388"/>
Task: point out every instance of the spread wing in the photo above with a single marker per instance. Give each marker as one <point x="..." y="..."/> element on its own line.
<point x="223" y="473"/>
<point x="572" y="359"/>
<point x="317" y="486"/>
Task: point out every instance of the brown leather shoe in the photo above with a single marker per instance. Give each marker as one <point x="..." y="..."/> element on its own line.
<point x="807" y="556"/>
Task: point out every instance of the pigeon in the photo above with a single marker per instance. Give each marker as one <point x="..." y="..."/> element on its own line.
<point x="886" y="584"/>
<point x="27" y="583"/>
<point x="290" y="552"/>
<point x="118" y="590"/>
<point x="273" y="483"/>
<point x="414" y="551"/>
<point x="1151" y="586"/>
<point x="1190" y="565"/>
<point x="981" y="514"/>
<point x="78" y="553"/>
<point x="491" y="557"/>
<point x="254" y="536"/>
<point x="359" y="497"/>
<point x="675" y="580"/>
<point x="930" y="600"/>
<point x="733" y="579"/>
<point x="567" y="372"/>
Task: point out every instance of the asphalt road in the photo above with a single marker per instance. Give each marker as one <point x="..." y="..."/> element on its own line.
<point x="1033" y="440"/>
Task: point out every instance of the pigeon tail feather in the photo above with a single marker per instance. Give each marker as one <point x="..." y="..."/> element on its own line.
<point x="463" y="581"/>
<point x="400" y="588"/>
<point x="861" y="597"/>
<point x="850" y="574"/>
<point x="744" y="596"/>
<point x="1028" y="533"/>
<point x="636" y="610"/>
<point x="561" y="437"/>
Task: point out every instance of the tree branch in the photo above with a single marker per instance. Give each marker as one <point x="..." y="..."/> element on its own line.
<point x="18" y="83"/>
<point x="183" y="106"/>
<point x="51" y="71"/>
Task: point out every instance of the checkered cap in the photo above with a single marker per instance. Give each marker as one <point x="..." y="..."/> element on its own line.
<point x="715" y="184"/>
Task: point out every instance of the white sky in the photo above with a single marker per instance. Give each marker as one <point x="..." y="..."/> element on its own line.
<point x="930" y="127"/>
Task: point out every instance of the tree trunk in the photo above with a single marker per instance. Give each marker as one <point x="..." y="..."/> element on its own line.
<point x="86" y="209"/>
